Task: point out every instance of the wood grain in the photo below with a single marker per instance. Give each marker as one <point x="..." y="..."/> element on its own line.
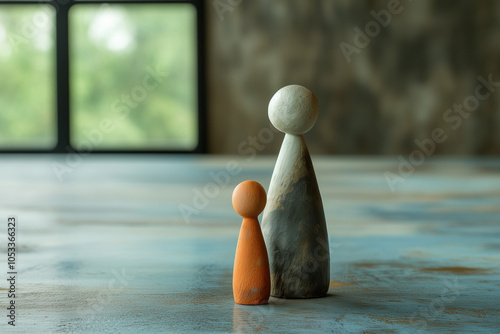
<point x="107" y="250"/>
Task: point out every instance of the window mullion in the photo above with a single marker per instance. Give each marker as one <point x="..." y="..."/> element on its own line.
<point x="62" y="59"/>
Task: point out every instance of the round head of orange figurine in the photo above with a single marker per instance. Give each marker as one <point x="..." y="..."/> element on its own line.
<point x="249" y="199"/>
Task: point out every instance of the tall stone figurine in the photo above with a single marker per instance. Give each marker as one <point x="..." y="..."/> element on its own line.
<point x="293" y="224"/>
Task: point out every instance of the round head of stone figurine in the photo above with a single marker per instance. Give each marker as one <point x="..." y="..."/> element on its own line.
<point x="249" y="199"/>
<point x="293" y="109"/>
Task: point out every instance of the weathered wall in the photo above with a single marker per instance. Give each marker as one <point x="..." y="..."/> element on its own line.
<point x="393" y="91"/>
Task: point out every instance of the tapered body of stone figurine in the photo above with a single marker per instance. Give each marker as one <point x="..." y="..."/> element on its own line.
<point x="251" y="279"/>
<point x="293" y="224"/>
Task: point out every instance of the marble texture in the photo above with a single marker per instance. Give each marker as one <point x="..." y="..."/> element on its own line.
<point x="294" y="226"/>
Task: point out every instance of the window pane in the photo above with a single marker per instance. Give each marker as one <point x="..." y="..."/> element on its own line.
<point x="133" y="76"/>
<point x="27" y="77"/>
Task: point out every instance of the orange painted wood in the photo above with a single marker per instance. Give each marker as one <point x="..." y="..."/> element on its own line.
<point x="251" y="278"/>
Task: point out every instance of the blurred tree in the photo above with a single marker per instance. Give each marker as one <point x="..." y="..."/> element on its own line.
<point x="132" y="66"/>
<point x="27" y="76"/>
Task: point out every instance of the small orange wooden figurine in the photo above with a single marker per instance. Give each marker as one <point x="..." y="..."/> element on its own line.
<point x="251" y="278"/>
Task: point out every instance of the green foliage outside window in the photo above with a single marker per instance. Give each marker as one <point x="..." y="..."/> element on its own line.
<point x="133" y="76"/>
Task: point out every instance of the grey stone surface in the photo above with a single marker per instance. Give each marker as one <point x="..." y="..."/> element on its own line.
<point x="294" y="226"/>
<point x="394" y="91"/>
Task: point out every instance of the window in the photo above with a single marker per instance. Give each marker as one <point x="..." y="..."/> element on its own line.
<point x="128" y="76"/>
<point x="27" y="77"/>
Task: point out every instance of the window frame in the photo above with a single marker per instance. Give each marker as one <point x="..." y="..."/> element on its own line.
<point x="62" y="80"/>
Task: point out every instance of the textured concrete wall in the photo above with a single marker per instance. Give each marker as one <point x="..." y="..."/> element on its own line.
<point x="390" y="91"/>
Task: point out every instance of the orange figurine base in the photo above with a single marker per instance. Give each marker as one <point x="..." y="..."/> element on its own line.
<point x="251" y="278"/>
